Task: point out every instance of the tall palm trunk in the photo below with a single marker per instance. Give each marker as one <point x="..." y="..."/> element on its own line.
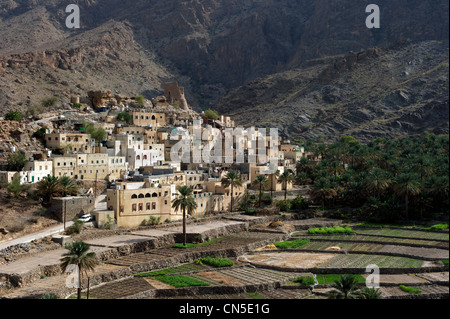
<point x="79" y="284"/>
<point x="260" y="193"/>
<point x="231" y="208"/>
<point x="406" y="204"/>
<point x="285" y="190"/>
<point x="184" y="226"/>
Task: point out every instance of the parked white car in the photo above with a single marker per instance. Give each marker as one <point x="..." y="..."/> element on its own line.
<point x="85" y="218"/>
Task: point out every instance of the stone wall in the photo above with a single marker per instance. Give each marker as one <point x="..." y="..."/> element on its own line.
<point x="71" y="207"/>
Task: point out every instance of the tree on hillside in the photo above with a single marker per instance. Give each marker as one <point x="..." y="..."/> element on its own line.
<point x="285" y="179"/>
<point x="14" y="116"/>
<point x="186" y="203"/>
<point x="211" y="115"/>
<point x="16" y="162"/>
<point x="260" y="181"/>
<point x="232" y="179"/>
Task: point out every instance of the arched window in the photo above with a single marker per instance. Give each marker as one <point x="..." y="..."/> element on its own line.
<point x="153" y="117"/>
<point x="133" y="196"/>
<point x="153" y="205"/>
<point x="154" y="195"/>
<point x="148" y="195"/>
<point x="141" y="196"/>
<point x="138" y="157"/>
<point x="145" y="157"/>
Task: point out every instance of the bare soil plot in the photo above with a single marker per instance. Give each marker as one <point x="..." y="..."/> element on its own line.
<point x="435" y="276"/>
<point x="426" y="291"/>
<point x="399" y="279"/>
<point x="120" y="289"/>
<point x="294" y="260"/>
<point x="362" y="261"/>
<point x="417" y="251"/>
<point x="381" y="240"/>
<point x="220" y="278"/>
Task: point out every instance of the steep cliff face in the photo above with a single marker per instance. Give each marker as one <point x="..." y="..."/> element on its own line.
<point x="228" y="42"/>
<point x="388" y="92"/>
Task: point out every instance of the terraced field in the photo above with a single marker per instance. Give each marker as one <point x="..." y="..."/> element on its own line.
<point x="362" y="261"/>
<point x="374" y="239"/>
<point x="404" y="233"/>
<point x="263" y="270"/>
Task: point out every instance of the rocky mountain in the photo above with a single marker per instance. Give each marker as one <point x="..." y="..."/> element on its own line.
<point x="391" y="92"/>
<point x="209" y="46"/>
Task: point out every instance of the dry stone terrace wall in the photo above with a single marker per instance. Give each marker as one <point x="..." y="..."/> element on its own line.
<point x="144" y="244"/>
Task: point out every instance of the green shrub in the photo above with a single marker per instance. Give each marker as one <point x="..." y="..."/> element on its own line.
<point x="305" y="281"/>
<point x="291" y="244"/>
<point x="216" y="262"/>
<point x="299" y="203"/>
<point x="267" y="199"/>
<point x="284" y="205"/>
<point x="76" y="228"/>
<point x="14" y="116"/>
<point x="210" y="115"/>
<point x="77" y="105"/>
<point x="49" y="102"/>
<point x="140" y="100"/>
<point x="439" y="226"/>
<point x="410" y="290"/>
<point x="124" y="116"/>
<point x="40" y="133"/>
<point x="445" y="261"/>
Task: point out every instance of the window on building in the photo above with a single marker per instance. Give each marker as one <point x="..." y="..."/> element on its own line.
<point x="148" y="206"/>
<point x="141" y="206"/>
<point x="153" y="205"/>
<point x="133" y="207"/>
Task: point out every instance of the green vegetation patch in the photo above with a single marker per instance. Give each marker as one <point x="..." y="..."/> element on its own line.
<point x="445" y="261"/>
<point x="305" y="280"/>
<point x="331" y="230"/>
<point x="332" y="278"/>
<point x="410" y="290"/>
<point x="215" y="262"/>
<point x="442" y="226"/>
<point x="190" y="245"/>
<point x="180" y="281"/>
<point x="291" y="244"/>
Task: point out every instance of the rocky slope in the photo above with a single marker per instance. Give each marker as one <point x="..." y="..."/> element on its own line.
<point x="389" y="92"/>
<point x="209" y="46"/>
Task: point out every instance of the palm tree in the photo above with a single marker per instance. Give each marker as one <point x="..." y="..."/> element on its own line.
<point x="68" y="186"/>
<point x="345" y="288"/>
<point x="260" y="180"/>
<point x="285" y="178"/>
<point x="79" y="256"/>
<point x="49" y="187"/>
<point x="186" y="203"/>
<point x="406" y="185"/>
<point x="322" y="190"/>
<point x="378" y="180"/>
<point x="370" y="293"/>
<point x="276" y="174"/>
<point x="233" y="179"/>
